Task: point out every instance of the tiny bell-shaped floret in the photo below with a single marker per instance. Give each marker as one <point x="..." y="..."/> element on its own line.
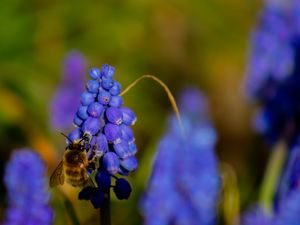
<point x="130" y="163"/>
<point x="107" y="71"/>
<point x="114" y="115"/>
<point x="92" y="86"/>
<point x="122" y="189"/>
<point x="132" y="148"/>
<point x="107" y="83"/>
<point x="77" y="121"/>
<point x="103" y="180"/>
<point x="74" y="136"/>
<point x="97" y="199"/>
<point x="87" y="98"/>
<point x="86" y="193"/>
<point x="95" y="109"/>
<point x="104" y="97"/>
<point x="112" y="133"/>
<point x="111" y="162"/>
<point x="82" y="112"/>
<point x="115" y="89"/>
<point x="101" y="145"/>
<point x="122" y="149"/>
<point x="127" y="133"/>
<point x="129" y="117"/>
<point x="91" y="126"/>
<point x="116" y="101"/>
<point x="95" y="73"/>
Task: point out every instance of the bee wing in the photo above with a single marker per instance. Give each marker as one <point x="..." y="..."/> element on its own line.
<point x="89" y="180"/>
<point x="57" y="177"/>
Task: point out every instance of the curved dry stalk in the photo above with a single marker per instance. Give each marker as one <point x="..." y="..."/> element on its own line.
<point x="167" y="90"/>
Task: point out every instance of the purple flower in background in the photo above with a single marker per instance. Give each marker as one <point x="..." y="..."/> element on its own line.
<point x="256" y="216"/>
<point x="184" y="185"/>
<point x="28" y="198"/>
<point x="103" y="125"/>
<point x="66" y="99"/>
<point x="289" y="209"/>
<point x="290" y="179"/>
<point x="273" y="75"/>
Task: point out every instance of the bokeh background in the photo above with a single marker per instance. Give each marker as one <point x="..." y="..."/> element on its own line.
<point x="201" y="43"/>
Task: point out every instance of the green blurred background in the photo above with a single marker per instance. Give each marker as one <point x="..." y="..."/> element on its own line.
<point x="203" y="43"/>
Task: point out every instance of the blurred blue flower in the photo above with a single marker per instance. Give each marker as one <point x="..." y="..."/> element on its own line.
<point x="256" y="216"/>
<point x="288" y="212"/>
<point x="185" y="183"/>
<point x="290" y="179"/>
<point x="105" y="125"/>
<point x="66" y="99"/>
<point x="28" y="198"/>
<point x="273" y="75"/>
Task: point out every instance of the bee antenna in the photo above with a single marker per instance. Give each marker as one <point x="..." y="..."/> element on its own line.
<point x="66" y="137"/>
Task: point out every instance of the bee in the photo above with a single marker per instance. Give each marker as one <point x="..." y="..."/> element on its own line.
<point x="73" y="166"/>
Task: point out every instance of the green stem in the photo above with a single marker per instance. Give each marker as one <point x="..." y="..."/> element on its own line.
<point x="71" y="212"/>
<point x="272" y="175"/>
<point x="105" y="218"/>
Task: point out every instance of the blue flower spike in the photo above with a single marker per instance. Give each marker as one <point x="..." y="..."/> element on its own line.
<point x="110" y="147"/>
<point x="28" y="197"/>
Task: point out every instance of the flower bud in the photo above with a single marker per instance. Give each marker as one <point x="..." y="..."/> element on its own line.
<point x="82" y="112"/>
<point x="101" y="145"/>
<point x="115" y="89"/>
<point x="114" y="115"/>
<point x="130" y="163"/>
<point x="111" y="162"/>
<point x="95" y="73"/>
<point x="116" y="101"/>
<point x="129" y="117"/>
<point x="74" y="136"/>
<point x="127" y="133"/>
<point x="122" y="149"/>
<point x="112" y="133"/>
<point x="91" y="126"/>
<point x="122" y="189"/>
<point x="107" y="71"/>
<point x="132" y="148"/>
<point x="104" y="97"/>
<point x="77" y="121"/>
<point x="92" y="86"/>
<point x="107" y="83"/>
<point x="87" y="98"/>
<point x="86" y="193"/>
<point x="95" y="109"/>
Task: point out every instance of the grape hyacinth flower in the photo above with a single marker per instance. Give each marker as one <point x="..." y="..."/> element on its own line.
<point x="105" y="125"/>
<point x="66" y="98"/>
<point x="184" y="185"/>
<point x="28" y="199"/>
<point x="273" y="76"/>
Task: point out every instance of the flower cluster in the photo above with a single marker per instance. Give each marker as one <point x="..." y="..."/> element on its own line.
<point x="66" y="98"/>
<point x="27" y="193"/>
<point x="105" y="124"/>
<point x="273" y="75"/>
<point x="185" y="172"/>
